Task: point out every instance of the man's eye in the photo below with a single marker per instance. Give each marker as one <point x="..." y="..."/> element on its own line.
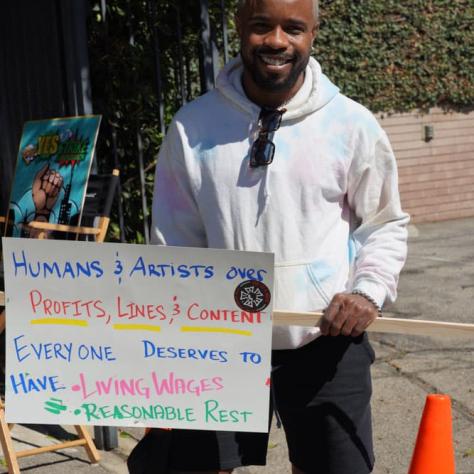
<point x="294" y="30"/>
<point x="260" y="26"/>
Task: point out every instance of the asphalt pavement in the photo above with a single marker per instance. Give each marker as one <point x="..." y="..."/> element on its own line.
<point x="437" y="284"/>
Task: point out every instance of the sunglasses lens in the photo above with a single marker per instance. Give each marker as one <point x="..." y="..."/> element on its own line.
<point x="271" y="120"/>
<point x="262" y="152"/>
<point x="263" y="148"/>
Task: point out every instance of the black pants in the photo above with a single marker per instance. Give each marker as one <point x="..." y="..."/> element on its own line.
<point x="322" y="393"/>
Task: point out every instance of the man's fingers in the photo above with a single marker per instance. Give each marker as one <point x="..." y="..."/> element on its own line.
<point x="329" y="316"/>
<point x="350" y="326"/>
<point x="359" y="328"/>
<point x="362" y="324"/>
<point x="337" y="323"/>
<point x="324" y="324"/>
<point x="347" y="315"/>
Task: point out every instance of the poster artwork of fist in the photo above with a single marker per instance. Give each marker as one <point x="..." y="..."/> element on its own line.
<point x="46" y="187"/>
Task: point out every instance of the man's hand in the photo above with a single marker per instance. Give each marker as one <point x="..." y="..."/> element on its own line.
<point x="347" y="315"/>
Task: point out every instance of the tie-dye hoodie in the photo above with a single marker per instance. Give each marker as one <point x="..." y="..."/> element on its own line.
<point x="328" y="206"/>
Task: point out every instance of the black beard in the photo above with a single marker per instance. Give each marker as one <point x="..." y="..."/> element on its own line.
<point x="274" y="83"/>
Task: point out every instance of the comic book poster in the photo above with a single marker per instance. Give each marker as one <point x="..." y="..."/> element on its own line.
<point x="52" y="170"/>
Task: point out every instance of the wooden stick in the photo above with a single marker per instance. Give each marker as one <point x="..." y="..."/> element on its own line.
<point x="50" y="448"/>
<point x="92" y="452"/>
<point x="384" y="324"/>
<point x="63" y="228"/>
<point x="7" y="445"/>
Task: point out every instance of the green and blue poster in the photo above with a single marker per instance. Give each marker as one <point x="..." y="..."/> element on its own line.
<point x="52" y="170"/>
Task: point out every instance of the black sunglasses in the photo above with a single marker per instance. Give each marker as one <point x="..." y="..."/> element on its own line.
<point x="263" y="149"/>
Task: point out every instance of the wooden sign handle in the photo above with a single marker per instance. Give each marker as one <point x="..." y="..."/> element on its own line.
<point x="391" y="325"/>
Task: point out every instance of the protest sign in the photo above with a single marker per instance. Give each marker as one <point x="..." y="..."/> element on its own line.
<point x="119" y="334"/>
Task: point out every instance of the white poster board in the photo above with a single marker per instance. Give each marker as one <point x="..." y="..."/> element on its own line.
<point x="135" y="335"/>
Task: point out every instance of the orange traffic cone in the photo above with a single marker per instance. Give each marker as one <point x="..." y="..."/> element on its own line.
<point x="434" y="451"/>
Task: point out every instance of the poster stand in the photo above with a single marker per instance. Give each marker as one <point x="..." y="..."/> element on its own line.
<point x="62" y="147"/>
<point x="11" y="456"/>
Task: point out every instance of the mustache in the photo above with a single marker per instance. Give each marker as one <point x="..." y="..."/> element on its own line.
<point x="265" y="50"/>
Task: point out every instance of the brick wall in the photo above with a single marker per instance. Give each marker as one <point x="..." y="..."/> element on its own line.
<point x="436" y="176"/>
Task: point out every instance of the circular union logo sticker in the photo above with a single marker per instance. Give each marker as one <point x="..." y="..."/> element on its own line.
<point x="252" y="296"/>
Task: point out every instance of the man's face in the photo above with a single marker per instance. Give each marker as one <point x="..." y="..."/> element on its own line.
<point x="276" y="38"/>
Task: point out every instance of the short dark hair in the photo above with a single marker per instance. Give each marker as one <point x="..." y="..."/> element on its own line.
<point x="242" y="3"/>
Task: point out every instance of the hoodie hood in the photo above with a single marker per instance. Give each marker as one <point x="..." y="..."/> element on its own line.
<point x="316" y="91"/>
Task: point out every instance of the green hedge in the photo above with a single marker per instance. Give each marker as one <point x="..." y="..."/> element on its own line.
<point x="400" y="55"/>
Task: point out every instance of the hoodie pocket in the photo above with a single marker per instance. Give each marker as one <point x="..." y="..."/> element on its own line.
<point x="297" y="287"/>
<point x="317" y="284"/>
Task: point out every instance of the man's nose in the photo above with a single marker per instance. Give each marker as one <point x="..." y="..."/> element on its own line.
<point x="276" y="38"/>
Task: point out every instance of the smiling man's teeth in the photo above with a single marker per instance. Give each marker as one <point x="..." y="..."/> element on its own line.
<point x="274" y="60"/>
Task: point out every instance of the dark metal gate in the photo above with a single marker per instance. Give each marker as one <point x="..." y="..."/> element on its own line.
<point x="185" y="68"/>
<point x="45" y="73"/>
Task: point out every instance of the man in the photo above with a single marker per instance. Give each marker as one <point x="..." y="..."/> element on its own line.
<point x="275" y="159"/>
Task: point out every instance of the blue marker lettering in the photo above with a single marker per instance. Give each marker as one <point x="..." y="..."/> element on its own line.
<point x="58" y="351"/>
<point x="196" y="269"/>
<point x="260" y="274"/>
<point x="108" y="353"/>
<point x="38" y="270"/>
<point x="148" y="348"/>
<point x="209" y="272"/>
<point x="152" y="271"/>
<point x="95" y="265"/>
<point x="27" y="384"/>
<point x="139" y="267"/>
<point x="84" y="270"/>
<point x="252" y="357"/>
<point x="183" y="271"/>
<point x="51" y="269"/>
<point x="18" y="349"/>
<point x="20" y="263"/>
<point x="68" y="269"/>
<point x="160" y="352"/>
<point x="172" y="351"/>
<point x="83" y="352"/>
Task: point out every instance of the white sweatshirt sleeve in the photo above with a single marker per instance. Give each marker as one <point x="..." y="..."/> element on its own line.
<point x="381" y="234"/>
<point x="175" y="215"/>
